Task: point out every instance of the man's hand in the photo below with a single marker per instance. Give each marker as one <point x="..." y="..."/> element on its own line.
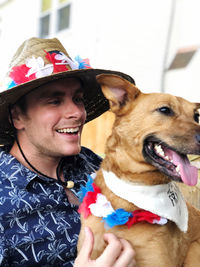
<point x="118" y="252"/>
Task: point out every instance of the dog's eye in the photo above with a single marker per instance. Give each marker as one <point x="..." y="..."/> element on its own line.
<point x="196" y="117"/>
<point x="166" y="110"/>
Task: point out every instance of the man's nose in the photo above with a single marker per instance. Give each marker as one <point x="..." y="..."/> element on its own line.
<point x="74" y="110"/>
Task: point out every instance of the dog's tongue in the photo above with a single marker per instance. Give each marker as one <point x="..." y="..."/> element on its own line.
<point x="189" y="173"/>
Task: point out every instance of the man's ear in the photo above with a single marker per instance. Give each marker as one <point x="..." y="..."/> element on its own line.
<point x="117" y="90"/>
<point x="16" y="114"/>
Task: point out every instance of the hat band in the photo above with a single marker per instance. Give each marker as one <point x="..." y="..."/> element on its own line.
<point x="46" y="69"/>
<point x="35" y="68"/>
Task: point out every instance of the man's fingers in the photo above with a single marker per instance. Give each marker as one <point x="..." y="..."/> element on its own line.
<point x="127" y="256"/>
<point x="118" y="252"/>
<point x="88" y="244"/>
<point x="112" y="251"/>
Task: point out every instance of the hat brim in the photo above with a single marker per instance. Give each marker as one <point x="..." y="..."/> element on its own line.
<point x="95" y="102"/>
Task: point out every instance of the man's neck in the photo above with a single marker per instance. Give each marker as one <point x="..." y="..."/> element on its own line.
<point x="45" y="165"/>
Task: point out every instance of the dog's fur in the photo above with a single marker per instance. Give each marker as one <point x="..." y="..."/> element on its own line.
<point x="138" y="117"/>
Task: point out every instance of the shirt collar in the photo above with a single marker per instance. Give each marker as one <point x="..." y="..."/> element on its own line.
<point x="75" y="168"/>
<point x="17" y="173"/>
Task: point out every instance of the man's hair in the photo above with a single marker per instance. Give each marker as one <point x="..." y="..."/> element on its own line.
<point x="22" y="104"/>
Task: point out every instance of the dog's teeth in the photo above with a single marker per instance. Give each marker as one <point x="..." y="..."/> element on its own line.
<point x="158" y="148"/>
<point x="166" y="157"/>
<point x="178" y="169"/>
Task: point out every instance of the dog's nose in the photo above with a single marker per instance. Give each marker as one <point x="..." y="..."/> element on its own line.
<point x="198" y="138"/>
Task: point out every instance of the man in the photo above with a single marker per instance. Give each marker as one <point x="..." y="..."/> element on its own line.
<point x="42" y="164"/>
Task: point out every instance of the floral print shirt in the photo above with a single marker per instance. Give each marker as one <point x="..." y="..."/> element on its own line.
<point x="38" y="225"/>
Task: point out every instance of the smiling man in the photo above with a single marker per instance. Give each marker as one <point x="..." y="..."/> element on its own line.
<point x="51" y="124"/>
<point x="47" y="100"/>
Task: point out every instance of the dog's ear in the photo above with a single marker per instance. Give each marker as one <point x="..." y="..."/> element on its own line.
<point x="117" y="90"/>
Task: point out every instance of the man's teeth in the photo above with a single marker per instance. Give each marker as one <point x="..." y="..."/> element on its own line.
<point x="68" y="130"/>
<point x="160" y="152"/>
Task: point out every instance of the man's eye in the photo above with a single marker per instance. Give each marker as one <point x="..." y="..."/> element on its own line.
<point x="54" y="101"/>
<point x="78" y="99"/>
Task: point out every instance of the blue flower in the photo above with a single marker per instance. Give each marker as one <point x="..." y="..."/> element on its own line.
<point x="11" y="84"/>
<point x="85" y="189"/>
<point x="119" y="217"/>
<point x="83" y="63"/>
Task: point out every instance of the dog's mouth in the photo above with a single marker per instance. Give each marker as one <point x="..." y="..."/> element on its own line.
<point x="174" y="164"/>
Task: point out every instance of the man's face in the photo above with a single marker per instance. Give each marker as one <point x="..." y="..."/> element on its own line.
<point x="54" y="119"/>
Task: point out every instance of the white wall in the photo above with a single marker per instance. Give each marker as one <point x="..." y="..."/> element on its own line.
<point x="126" y="35"/>
<point x="19" y="22"/>
<point x="185" y="82"/>
<point x="129" y="35"/>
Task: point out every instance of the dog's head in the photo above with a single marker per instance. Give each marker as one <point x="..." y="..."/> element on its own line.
<point x="155" y="131"/>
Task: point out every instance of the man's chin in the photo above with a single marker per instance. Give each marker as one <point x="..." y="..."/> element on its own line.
<point x="72" y="152"/>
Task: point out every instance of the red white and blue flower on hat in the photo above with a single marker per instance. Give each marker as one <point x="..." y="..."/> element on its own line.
<point x="94" y="202"/>
<point x="35" y="68"/>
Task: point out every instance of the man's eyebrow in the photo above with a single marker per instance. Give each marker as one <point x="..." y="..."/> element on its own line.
<point x="58" y="93"/>
<point x="46" y="94"/>
<point x="79" y="90"/>
<point x="54" y="94"/>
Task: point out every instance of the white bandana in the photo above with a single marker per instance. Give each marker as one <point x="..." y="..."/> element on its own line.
<point x="164" y="200"/>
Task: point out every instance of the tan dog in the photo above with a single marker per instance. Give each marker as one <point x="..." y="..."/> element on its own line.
<point x="145" y="154"/>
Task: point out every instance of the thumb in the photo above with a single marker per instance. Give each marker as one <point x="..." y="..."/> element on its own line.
<point x="88" y="244"/>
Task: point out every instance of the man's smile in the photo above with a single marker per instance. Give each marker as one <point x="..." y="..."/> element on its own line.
<point x="69" y="130"/>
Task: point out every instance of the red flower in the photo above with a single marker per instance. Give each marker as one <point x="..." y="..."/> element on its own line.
<point x="142" y="215"/>
<point x="56" y="68"/>
<point x="18" y="74"/>
<point x="90" y="198"/>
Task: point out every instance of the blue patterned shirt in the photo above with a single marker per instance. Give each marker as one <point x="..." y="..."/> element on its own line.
<point x="38" y="225"/>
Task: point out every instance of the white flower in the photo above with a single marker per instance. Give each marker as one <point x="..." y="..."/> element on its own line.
<point x="66" y="60"/>
<point x="162" y="221"/>
<point x="38" y="68"/>
<point x="102" y="207"/>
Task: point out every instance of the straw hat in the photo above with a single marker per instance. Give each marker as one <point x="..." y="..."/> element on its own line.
<point x="39" y="61"/>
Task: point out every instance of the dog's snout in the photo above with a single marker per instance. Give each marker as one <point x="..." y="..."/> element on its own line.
<point x="198" y="138"/>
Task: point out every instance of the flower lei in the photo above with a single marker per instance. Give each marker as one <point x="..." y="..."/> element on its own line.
<point x="36" y="68"/>
<point x="93" y="202"/>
